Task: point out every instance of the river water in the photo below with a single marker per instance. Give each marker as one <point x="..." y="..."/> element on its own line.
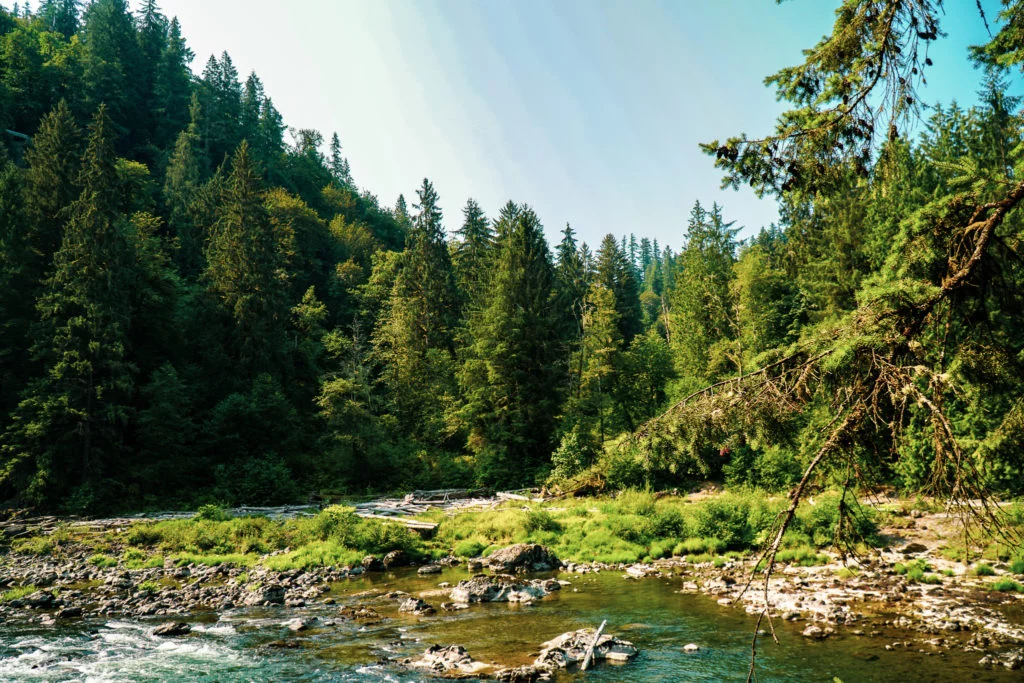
<point x="244" y="645"/>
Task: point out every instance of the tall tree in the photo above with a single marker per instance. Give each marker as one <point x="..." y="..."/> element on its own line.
<point x="245" y="268"/>
<point x="71" y="422"/>
<point x="510" y="379"/>
<point x="614" y="270"/>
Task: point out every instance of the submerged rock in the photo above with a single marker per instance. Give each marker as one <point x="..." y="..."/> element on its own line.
<point x="429" y="569"/>
<point x="528" y="557"/>
<point x="172" y="628"/>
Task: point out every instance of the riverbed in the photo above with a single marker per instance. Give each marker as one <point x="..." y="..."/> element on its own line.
<point x="255" y="644"/>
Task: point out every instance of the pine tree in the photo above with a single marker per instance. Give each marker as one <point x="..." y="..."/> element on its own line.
<point x="112" y="70"/>
<point x="614" y="271"/>
<point x="510" y="379"/>
<point x="50" y="184"/>
<point x="172" y="86"/>
<point x="71" y="422"/>
<point x="473" y="251"/>
<point x="245" y="268"/>
<point x="339" y="164"/>
<point x="182" y="183"/>
<point x="61" y="16"/>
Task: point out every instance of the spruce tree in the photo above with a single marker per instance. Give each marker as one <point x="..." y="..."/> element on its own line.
<point x="244" y="269"/>
<point x="70" y="424"/>
<point x="510" y="378"/>
<point x="614" y="270"/>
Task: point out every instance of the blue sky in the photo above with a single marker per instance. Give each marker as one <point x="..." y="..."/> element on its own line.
<point x="589" y="110"/>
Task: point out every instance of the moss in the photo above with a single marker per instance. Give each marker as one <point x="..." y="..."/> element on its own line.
<point x="103" y="561"/>
<point x="17" y="593"/>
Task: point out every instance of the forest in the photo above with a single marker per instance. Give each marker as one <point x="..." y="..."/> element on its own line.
<point x="199" y="304"/>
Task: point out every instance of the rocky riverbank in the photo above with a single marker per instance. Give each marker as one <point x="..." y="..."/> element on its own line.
<point x="945" y="609"/>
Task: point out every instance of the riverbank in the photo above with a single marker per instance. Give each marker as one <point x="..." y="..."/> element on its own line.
<point x="912" y="581"/>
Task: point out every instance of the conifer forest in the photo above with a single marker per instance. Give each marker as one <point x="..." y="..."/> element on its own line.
<point x="199" y="304"/>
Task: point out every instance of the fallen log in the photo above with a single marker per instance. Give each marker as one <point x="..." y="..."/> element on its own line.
<point x="593" y="644"/>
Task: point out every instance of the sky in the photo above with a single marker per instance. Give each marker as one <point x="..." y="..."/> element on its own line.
<point x="590" y="111"/>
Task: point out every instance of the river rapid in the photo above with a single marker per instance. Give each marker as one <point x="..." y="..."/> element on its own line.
<point x="255" y="644"/>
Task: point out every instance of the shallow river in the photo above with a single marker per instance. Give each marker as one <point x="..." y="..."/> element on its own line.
<point x="234" y="646"/>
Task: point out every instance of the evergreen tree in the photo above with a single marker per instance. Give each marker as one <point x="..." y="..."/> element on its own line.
<point x="473" y="251"/>
<point x="182" y="183"/>
<point x="113" y="69"/>
<point x="614" y="271"/>
<point x="71" y="421"/>
<point x="509" y="380"/>
<point x="245" y="269"/>
<point x="339" y="164"/>
<point x="172" y="86"/>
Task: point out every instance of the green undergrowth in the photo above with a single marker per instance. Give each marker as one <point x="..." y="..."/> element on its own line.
<point x="636" y="526"/>
<point x="16" y="593"/>
<point x="629" y="527"/>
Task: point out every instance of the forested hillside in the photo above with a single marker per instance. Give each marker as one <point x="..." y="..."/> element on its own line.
<point x="199" y="304"/>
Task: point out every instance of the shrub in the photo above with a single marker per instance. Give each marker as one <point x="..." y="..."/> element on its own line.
<point x="541" y="520"/>
<point x="724" y="518"/>
<point x="1017" y="564"/>
<point x="469" y="548"/>
<point x="212" y="513"/>
<point x="984" y="570"/>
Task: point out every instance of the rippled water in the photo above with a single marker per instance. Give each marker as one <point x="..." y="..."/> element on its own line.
<point x="237" y="645"/>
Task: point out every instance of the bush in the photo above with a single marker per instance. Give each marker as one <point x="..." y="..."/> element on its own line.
<point x="574" y="454"/>
<point x="469" y="548"/>
<point x="212" y="513"/>
<point x="724" y="518"/>
<point x="984" y="570"/>
<point x="819" y="520"/>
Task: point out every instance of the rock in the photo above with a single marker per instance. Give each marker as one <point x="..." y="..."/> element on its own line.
<point x="68" y="613"/>
<point x="298" y="624"/>
<point x="415" y="606"/>
<point x="396" y="558"/>
<point x="691" y="647"/>
<point x="569" y="649"/>
<point x="474" y="566"/>
<point x="523" y="557"/>
<point x="429" y="569"/>
<point x="814" y="633"/>
<point x="447" y="660"/>
<point x="265" y="595"/>
<point x="914" y="548"/>
<point x="371" y="563"/>
<point x="172" y="628"/>
<point x="367" y="615"/>
<point x="500" y="588"/>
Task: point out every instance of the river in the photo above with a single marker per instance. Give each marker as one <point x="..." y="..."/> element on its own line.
<point x="245" y="645"/>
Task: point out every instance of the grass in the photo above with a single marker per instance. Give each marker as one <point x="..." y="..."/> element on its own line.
<point x="1017" y="564"/>
<point x="102" y="561"/>
<point x="983" y="569"/>
<point x="1007" y="585"/>
<point x="17" y="593"/>
<point x="629" y="527"/>
<point x="846" y="573"/>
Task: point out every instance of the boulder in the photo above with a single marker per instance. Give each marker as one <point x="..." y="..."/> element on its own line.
<point x="451" y="660"/>
<point x="429" y="569"/>
<point x="396" y="558"/>
<point x="265" y="595"/>
<point x="527" y="557"/>
<point x="691" y="647"/>
<point x="372" y="563"/>
<point x="172" y="628"/>
<point x="68" y="613"/>
<point x="499" y="588"/>
<point x="415" y="606"/>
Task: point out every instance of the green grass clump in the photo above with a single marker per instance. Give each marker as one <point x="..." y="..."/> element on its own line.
<point x="36" y="545"/>
<point x="17" y="593"/>
<point x="983" y="569"/>
<point x="149" y="586"/>
<point x="102" y="561"/>
<point x="1017" y="564"/>
<point x="804" y="556"/>
<point x="1007" y="585"/>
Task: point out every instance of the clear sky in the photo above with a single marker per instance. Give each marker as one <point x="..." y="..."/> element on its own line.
<point x="588" y="110"/>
